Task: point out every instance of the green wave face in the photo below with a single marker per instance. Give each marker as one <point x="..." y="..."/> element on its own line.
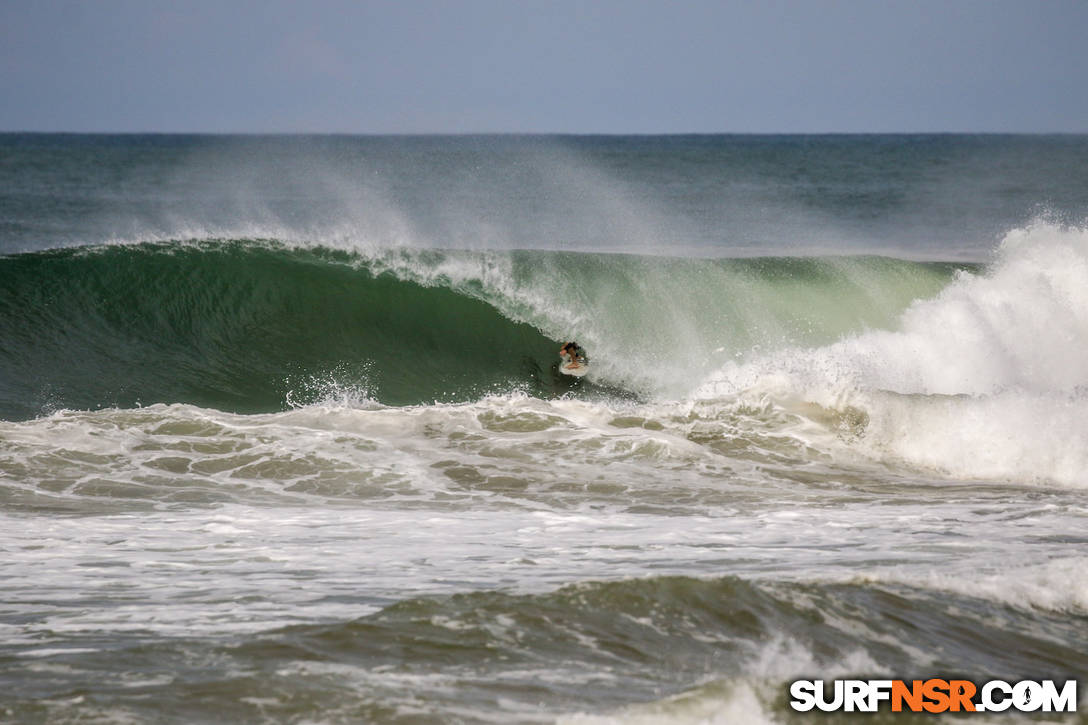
<point x="245" y="328"/>
<point x="249" y="326"/>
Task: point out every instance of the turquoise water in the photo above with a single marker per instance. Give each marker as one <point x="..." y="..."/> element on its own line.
<point x="283" y="438"/>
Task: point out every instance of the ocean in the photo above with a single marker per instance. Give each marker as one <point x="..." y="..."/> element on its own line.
<point x="283" y="437"/>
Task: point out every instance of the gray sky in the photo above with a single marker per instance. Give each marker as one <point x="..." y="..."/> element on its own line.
<point x="615" y="66"/>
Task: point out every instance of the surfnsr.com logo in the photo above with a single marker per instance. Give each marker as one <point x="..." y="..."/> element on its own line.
<point x="933" y="695"/>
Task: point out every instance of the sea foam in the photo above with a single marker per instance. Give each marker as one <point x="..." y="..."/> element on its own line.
<point x="987" y="380"/>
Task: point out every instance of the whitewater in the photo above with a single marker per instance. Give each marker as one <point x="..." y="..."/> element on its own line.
<point x="283" y="437"/>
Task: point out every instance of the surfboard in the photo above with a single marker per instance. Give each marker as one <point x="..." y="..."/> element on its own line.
<point x="577" y="372"/>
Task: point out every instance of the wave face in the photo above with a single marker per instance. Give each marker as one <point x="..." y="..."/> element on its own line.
<point x="252" y="326"/>
<point x="244" y="327"/>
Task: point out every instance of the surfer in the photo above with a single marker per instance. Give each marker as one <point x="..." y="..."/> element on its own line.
<point x="573" y="355"/>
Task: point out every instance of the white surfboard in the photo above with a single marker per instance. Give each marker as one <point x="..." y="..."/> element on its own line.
<point x="577" y="372"/>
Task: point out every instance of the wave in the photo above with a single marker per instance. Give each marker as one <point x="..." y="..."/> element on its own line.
<point x="596" y="646"/>
<point x="968" y="372"/>
<point x="257" y="326"/>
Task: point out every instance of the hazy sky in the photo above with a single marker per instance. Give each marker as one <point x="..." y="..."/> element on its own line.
<point x="615" y="66"/>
